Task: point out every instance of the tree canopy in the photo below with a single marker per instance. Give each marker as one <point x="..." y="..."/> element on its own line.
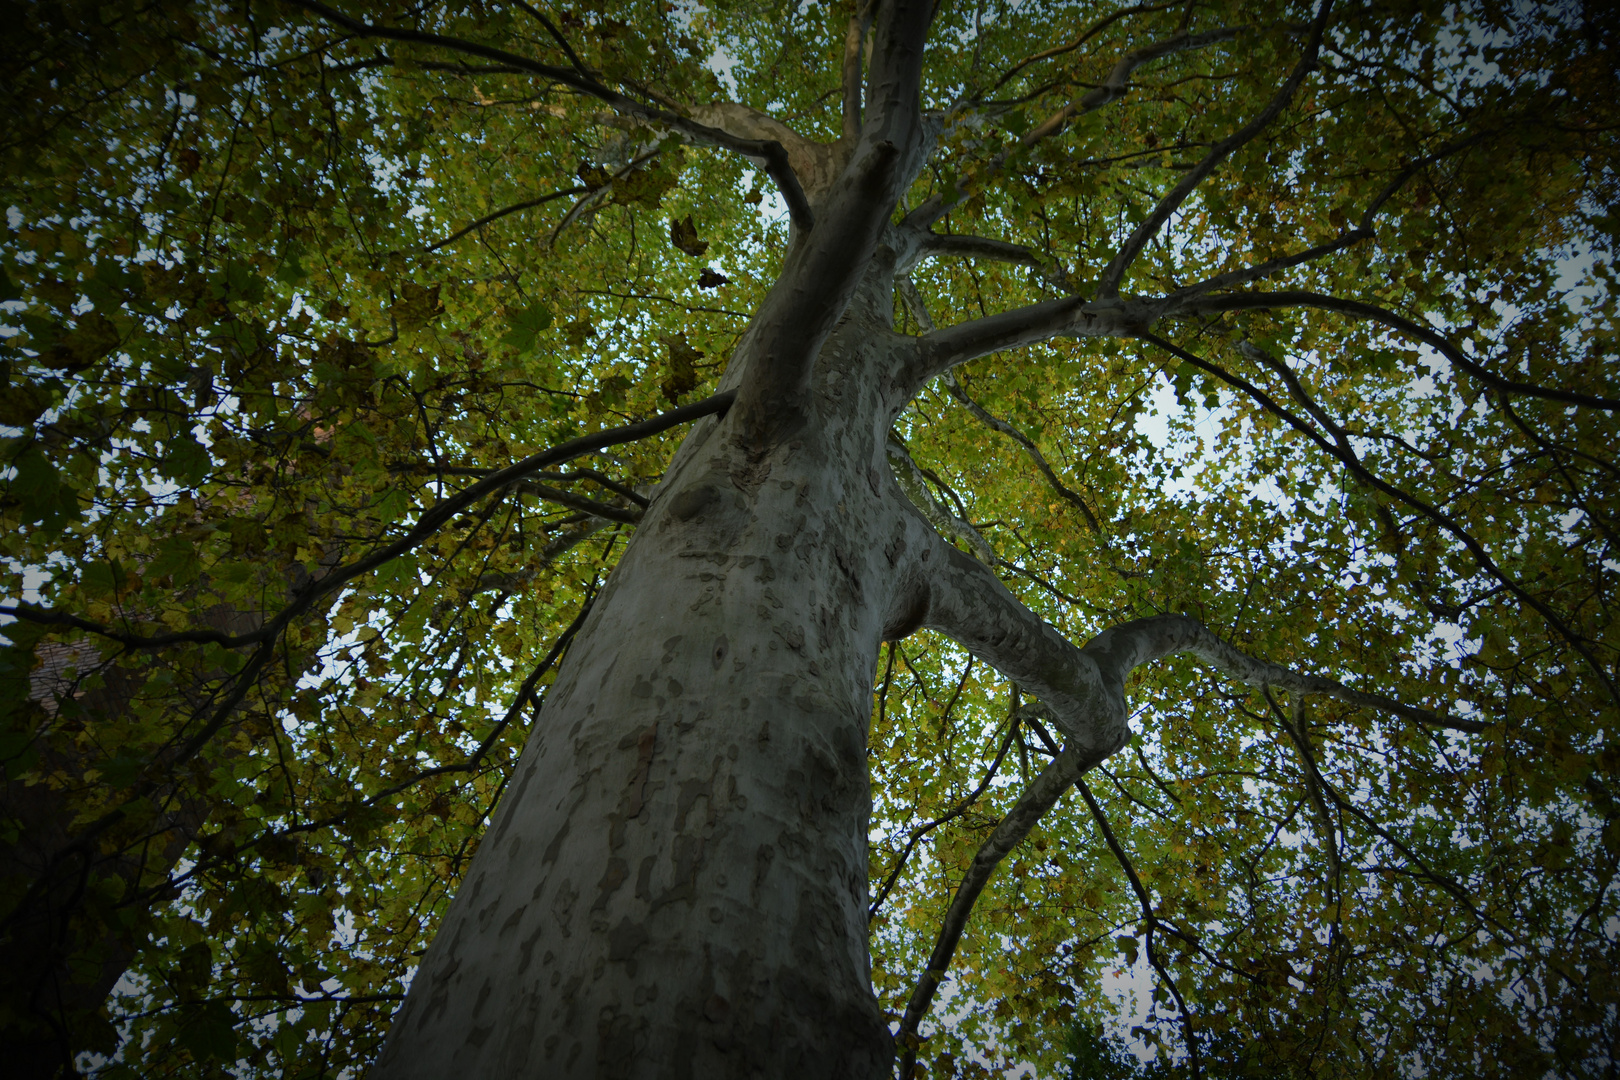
<point x="344" y="346"/>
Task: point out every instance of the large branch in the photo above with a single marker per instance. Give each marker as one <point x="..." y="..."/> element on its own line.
<point x="911" y="481"/>
<point x="860" y="21"/>
<point x="1083" y="690"/>
<point x="1265" y="301"/>
<point x="1040" y="796"/>
<point x="1114" y="272"/>
<point x="1071" y="316"/>
<point x="824" y="268"/>
<point x="1047" y="266"/>
<point x="768" y="153"/>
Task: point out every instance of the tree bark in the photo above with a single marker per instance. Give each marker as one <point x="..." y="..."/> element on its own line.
<point x="676" y="883"/>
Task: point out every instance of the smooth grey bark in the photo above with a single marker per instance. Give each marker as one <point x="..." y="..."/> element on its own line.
<point x="676" y="883"/>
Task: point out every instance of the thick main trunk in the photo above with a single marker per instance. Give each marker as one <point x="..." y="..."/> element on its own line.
<point x="676" y="883"/>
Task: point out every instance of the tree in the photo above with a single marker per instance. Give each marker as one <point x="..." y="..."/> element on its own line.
<point x="450" y="504"/>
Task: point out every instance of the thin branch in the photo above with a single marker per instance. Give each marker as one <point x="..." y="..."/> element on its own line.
<point x="1084" y="36"/>
<point x="579" y="502"/>
<point x="1112" y="89"/>
<point x="951" y="815"/>
<point x="1114" y="272"/>
<point x="557" y="36"/>
<point x="1354" y="464"/>
<point x="985" y="417"/>
<point x="1118" y="82"/>
<point x="497" y="215"/>
<point x="599" y="478"/>
<point x="1293" y="723"/>
<point x="594" y="195"/>
<point x="768" y="152"/>
<point x="1269" y="267"/>
<point x="1150" y="918"/>
<point x="527" y="693"/>
<point x="1263" y="301"/>
<point x="1416" y="167"/>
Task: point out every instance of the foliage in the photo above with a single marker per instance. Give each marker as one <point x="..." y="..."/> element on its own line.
<point x="274" y="291"/>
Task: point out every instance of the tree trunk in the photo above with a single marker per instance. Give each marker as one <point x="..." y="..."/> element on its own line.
<point x="676" y="883"/>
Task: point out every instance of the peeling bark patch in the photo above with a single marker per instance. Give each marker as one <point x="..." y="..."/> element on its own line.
<point x="691" y="791"/>
<point x="762" y="866"/>
<point x="852" y="581"/>
<point x="644" y="878"/>
<point x="526" y="949"/>
<point x="515" y="800"/>
<point x="618" y="1045"/>
<point x="513" y="919"/>
<point x="562" y="905"/>
<point x="625" y="939"/>
<point x="552" y="848"/>
<point x="616" y="874"/>
<point x="440" y="998"/>
<point x="688" y="858"/>
<point x="637" y="789"/>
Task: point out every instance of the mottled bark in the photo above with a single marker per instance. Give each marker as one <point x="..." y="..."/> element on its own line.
<point x="677" y="882"/>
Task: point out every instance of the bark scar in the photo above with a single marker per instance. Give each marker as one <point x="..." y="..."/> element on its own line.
<point x="638" y="779"/>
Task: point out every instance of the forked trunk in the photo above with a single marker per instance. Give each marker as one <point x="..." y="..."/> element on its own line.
<point x="676" y="882"/>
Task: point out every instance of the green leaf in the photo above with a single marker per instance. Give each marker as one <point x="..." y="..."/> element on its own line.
<point x="680" y="373"/>
<point x="524" y="325"/>
<point x="417" y="306"/>
<point x="36" y="484"/>
<point x="393" y="506"/>
<point x="209" y="1032"/>
<point x="92" y="337"/>
<point x="187" y="460"/>
<point x="21" y="405"/>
